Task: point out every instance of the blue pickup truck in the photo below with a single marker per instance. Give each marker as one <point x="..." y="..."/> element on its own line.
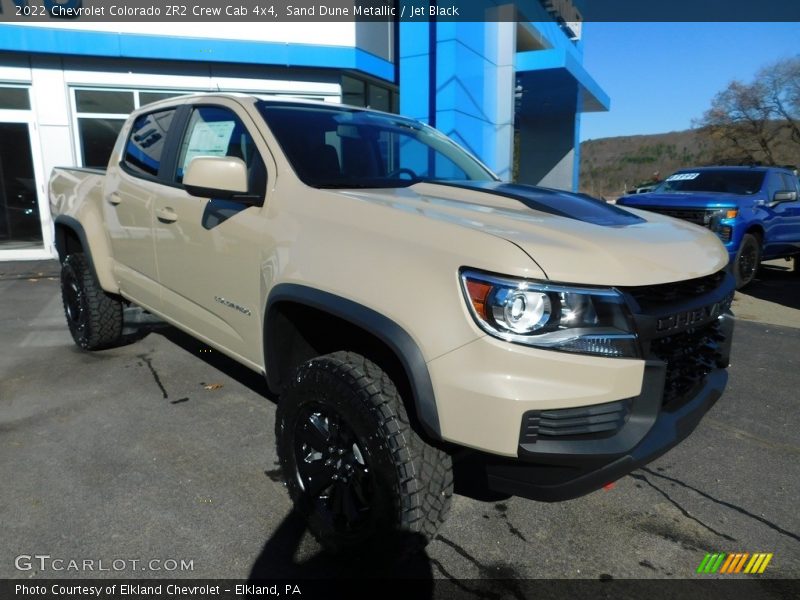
<point x="755" y="211"/>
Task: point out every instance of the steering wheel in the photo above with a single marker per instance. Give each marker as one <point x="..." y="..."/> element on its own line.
<point x="402" y="171"/>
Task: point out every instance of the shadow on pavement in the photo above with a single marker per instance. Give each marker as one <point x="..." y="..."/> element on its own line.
<point x="390" y="560"/>
<point x="254" y="381"/>
<point x="776" y="283"/>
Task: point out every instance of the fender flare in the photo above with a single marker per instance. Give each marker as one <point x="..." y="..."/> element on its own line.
<point x="71" y="223"/>
<point x="387" y="331"/>
<point x="97" y="253"/>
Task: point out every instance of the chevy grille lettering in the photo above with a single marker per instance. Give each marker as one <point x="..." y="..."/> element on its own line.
<point x="693" y="317"/>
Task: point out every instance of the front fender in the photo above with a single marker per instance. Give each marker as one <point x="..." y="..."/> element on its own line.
<point x="390" y="333"/>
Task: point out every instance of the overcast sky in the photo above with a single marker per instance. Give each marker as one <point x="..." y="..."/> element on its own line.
<point x="660" y="76"/>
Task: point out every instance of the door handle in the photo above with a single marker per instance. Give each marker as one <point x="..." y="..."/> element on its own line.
<point x="166" y="215"/>
<point x="114" y="198"/>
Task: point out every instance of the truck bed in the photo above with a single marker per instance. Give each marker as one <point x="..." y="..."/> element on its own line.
<point x="71" y="187"/>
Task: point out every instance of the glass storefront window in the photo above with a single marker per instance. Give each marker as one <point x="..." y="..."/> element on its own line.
<point x="357" y="92"/>
<point x="104" y="101"/>
<point x="354" y="91"/>
<point x="20" y="225"/>
<point x="100" y="115"/>
<point x="380" y="98"/>
<point x="14" y="98"/>
<point x="150" y="97"/>
<point x="97" y="138"/>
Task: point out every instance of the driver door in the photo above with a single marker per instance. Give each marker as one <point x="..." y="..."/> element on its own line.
<point x="783" y="221"/>
<point x="209" y="250"/>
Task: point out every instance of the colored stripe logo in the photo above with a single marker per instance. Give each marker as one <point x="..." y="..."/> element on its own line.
<point x="735" y="562"/>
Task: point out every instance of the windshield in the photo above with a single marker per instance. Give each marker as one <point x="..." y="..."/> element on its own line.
<point x="341" y="147"/>
<point x="728" y="181"/>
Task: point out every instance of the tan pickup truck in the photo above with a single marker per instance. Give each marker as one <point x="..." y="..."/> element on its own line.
<point x="406" y="306"/>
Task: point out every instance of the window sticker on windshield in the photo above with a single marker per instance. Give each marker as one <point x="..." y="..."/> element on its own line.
<point x="209" y="139"/>
<point x="683" y="176"/>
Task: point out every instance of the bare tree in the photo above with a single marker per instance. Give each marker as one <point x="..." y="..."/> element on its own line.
<point x="781" y="82"/>
<point x="740" y="118"/>
<point x="747" y="121"/>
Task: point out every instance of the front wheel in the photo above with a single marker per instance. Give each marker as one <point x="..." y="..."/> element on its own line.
<point x="353" y="465"/>
<point x="747" y="261"/>
<point x="93" y="316"/>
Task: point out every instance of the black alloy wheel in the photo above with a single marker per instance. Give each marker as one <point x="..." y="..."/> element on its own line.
<point x="94" y="317"/>
<point x="331" y="468"/>
<point x="748" y="259"/>
<point x="74" y="303"/>
<point x="353" y="465"/>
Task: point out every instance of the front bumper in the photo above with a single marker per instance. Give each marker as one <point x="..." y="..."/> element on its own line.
<point x="568" y="469"/>
<point x="553" y="468"/>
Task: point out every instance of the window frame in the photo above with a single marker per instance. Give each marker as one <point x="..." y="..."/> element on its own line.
<point x="170" y="177"/>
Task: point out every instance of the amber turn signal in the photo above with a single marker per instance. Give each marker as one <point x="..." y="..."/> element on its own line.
<point x="478" y="291"/>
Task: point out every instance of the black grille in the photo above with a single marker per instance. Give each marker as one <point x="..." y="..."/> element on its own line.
<point x="698" y="216"/>
<point x="652" y="296"/>
<point x="690" y="356"/>
<point x="598" y="420"/>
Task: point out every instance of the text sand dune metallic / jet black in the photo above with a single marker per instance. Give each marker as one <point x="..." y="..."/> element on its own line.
<point x="404" y="304"/>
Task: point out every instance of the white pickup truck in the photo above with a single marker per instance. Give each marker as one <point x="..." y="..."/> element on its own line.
<point x="403" y="303"/>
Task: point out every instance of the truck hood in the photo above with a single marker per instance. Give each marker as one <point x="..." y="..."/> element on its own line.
<point x="573" y="238"/>
<point x="681" y="200"/>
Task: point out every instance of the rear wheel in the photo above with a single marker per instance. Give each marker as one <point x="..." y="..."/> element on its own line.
<point x="353" y="465"/>
<point x="748" y="260"/>
<point x="93" y="316"/>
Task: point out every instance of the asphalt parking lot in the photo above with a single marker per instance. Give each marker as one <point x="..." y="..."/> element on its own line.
<point x="164" y="450"/>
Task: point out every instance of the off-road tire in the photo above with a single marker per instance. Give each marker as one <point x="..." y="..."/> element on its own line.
<point x="93" y="316"/>
<point x="412" y="481"/>
<point x="748" y="259"/>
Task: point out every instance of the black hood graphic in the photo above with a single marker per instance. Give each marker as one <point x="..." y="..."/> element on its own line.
<point x="555" y="202"/>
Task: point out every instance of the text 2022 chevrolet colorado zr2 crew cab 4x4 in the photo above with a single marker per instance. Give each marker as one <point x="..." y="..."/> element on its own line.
<point x="403" y="302"/>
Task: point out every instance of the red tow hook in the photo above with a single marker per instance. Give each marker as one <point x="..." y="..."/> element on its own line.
<point x="609" y="486"/>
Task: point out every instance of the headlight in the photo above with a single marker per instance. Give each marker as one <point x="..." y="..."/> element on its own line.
<point x="536" y="313"/>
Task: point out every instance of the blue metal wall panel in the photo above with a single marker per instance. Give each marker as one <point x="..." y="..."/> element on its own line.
<point x="122" y="45"/>
<point x="414" y="71"/>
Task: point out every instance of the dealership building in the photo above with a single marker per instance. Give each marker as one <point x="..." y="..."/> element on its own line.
<point x="510" y="92"/>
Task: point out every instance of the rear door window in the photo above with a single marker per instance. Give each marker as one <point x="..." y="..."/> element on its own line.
<point x="146" y="143"/>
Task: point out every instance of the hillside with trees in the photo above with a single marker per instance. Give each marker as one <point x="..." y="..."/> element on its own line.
<point x="747" y="123"/>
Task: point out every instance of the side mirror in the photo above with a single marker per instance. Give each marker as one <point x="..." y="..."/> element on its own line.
<point x="784" y="196"/>
<point x="217" y="177"/>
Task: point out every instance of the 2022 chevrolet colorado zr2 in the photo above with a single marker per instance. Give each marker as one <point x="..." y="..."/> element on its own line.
<point x="755" y="211"/>
<point x="404" y="304"/>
